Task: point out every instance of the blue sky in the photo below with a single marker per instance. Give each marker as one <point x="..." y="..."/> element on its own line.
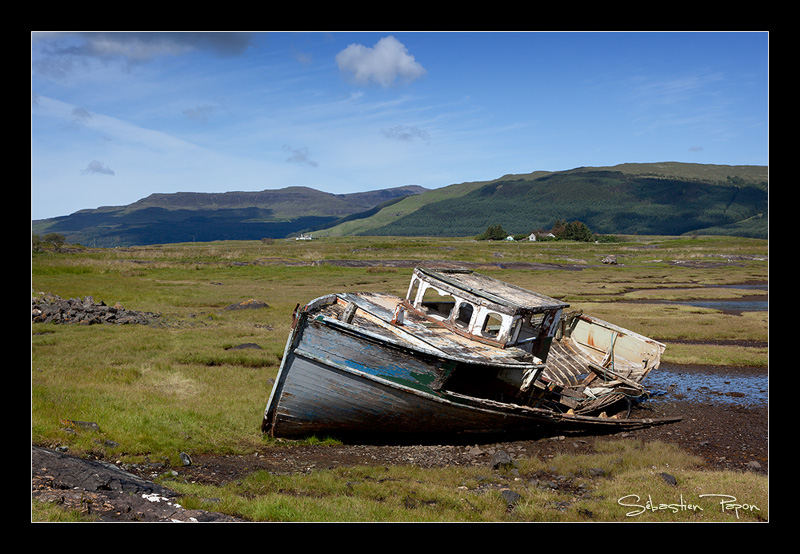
<point x="116" y="117"/>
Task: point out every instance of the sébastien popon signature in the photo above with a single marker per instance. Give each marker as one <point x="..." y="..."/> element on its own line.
<point x="726" y="503"/>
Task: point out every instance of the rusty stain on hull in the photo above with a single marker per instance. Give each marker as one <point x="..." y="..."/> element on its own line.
<point x="461" y="352"/>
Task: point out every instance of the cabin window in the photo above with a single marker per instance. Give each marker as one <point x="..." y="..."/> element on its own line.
<point x="464" y="315"/>
<point x="491" y="325"/>
<point x="531" y="328"/>
<point x="438" y="304"/>
<point x="412" y="292"/>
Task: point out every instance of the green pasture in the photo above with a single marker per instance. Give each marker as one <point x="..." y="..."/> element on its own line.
<point x="179" y="385"/>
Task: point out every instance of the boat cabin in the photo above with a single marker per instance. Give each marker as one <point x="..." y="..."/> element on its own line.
<point x="486" y="309"/>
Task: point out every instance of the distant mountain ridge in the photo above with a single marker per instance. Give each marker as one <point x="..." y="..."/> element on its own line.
<point x="659" y="198"/>
<point x="289" y="202"/>
<point x="199" y="217"/>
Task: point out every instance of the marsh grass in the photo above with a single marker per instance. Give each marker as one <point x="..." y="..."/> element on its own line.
<point x="179" y="385"/>
<point x="53" y="513"/>
<point x="613" y="484"/>
<point x="640" y="490"/>
<point x="152" y="391"/>
<point x="718" y="355"/>
<point x="354" y="494"/>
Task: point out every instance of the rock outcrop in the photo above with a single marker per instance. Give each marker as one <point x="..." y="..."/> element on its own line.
<point x="84" y="311"/>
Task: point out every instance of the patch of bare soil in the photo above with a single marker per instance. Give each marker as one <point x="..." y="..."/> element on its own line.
<point x="726" y="437"/>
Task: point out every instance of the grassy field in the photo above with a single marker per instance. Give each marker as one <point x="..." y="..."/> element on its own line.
<point x="156" y="391"/>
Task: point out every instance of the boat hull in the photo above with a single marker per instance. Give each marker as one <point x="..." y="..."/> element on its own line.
<point x="327" y="399"/>
<point x="335" y="380"/>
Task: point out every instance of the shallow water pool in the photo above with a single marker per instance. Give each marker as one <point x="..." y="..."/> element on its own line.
<point x="696" y="385"/>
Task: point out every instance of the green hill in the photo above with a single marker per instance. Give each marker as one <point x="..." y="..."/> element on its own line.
<point x="661" y="199"/>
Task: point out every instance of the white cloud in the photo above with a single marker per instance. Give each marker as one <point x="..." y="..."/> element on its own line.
<point x="385" y="63"/>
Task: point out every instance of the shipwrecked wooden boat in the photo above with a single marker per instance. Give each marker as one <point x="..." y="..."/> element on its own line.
<point x="461" y="353"/>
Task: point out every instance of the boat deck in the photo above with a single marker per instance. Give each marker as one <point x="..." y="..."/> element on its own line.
<point x="374" y="314"/>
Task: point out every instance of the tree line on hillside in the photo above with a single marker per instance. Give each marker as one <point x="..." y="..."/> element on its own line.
<point x="55" y="240"/>
<point x="561" y="230"/>
<point x="608" y="202"/>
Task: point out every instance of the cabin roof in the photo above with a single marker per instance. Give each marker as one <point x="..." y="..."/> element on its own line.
<point x="498" y="292"/>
